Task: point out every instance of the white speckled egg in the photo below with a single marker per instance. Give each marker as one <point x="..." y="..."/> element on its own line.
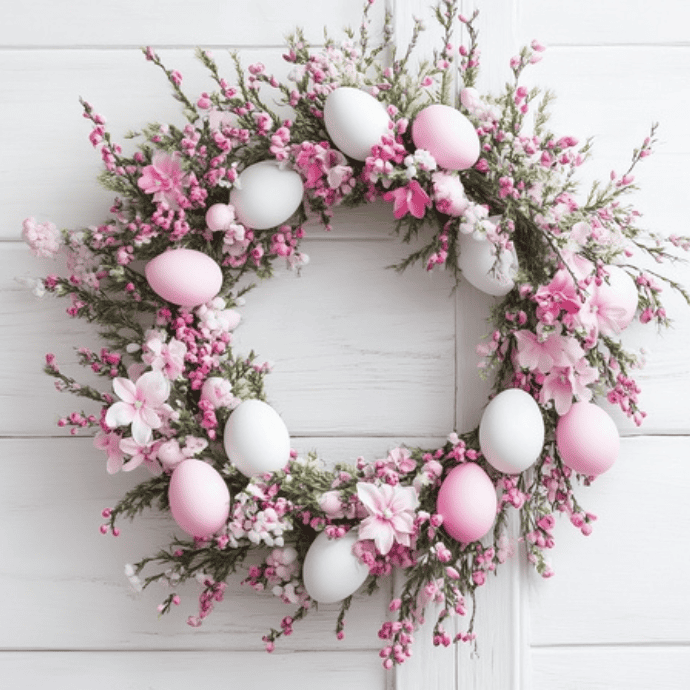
<point x="199" y="498"/>
<point x="256" y="439"/>
<point x="331" y="572"/>
<point x="511" y="432"/>
<point x="184" y="277"/>
<point x="266" y="195"/>
<point x="355" y="121"/>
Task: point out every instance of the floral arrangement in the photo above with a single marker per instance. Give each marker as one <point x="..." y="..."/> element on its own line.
<point x="485" y="190"/>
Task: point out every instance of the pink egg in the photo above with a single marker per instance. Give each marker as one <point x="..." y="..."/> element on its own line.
<point x="220" y="217"/>
<point x="467" y="502"/>
<point x="616" y="299"/>
<point x="447" y="135"/>
<point x="184" y="277"/>
<point x="199" y="498"/>
<point x="587" y="439"/>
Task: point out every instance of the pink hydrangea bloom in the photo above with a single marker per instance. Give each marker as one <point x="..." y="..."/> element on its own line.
<point x="391" y="514"/>
<point x="449" y="194"/>
<point x="139" y="404"/>
<point x="43" y="238"/>
<point x="410" y="199"/>
<point x="163" y="178"/>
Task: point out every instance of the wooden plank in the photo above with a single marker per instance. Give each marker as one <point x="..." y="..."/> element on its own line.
<point x="178" y="669"/>
<point x="611" y="668"/>
<point x="143" y="22"/>
<point x="362" y="350"/>
<point x="592" y="22"/>
<point x="60" y="578"/>
<point x="625" y="583"/>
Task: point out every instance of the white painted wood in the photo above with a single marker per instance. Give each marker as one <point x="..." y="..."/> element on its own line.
<point x="180" y="669"/>
<point x="175" y="22"/>
<point x="610" y="668"/>
<point x="624" y="583"/>
<point x="607" y="22"/>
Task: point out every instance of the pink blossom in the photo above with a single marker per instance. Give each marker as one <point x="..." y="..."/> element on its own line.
<point x="167" y="358"/>
<point x="43" y="238"/>
<point x="559" y="294"/>
<point x="391" y="512"/>
<point x="331" y="504"/>
<point x="139" y="404"/>
<point x="141" y="453"/>
<point x="218" y="392"/>
<point x="163" y="178"/>
<point x="543" y="353"/>
<point x="449" y="194"/>
<point x="410" y="199"/>
<point x="110" y="443"/>
<point x="562" y="383"/>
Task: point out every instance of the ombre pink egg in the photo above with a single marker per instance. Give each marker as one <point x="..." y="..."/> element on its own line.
<point x="447" y="135"/>
<point x="467" y="502"/>
<point x="199" y="498"/>
<point x="184" y="276"/>
<point x="587" y="439"/>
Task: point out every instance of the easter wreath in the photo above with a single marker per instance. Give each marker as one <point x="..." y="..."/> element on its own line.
<point x="487" y="190"/>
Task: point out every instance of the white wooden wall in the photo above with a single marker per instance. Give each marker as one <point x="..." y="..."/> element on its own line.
<point x="364" y="359"/>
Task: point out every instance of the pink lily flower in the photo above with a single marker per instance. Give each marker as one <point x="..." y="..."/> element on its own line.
<point x="139" y="404"/>
<point x="411" y="199"/>
<point x="391" y="516"/>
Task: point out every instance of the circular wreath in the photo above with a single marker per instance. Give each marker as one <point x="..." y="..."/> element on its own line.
<point x="486" y="190"/>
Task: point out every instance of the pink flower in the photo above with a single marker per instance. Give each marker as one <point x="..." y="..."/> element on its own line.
<point x="163" y="178"/>
<point x="218" y="392"/>
<point x="562" y="383"/>
<point x="411" y="199"/>
<point x="43" y="238"/>
<point x="110" y="443"/>
<point x="449" y="194"/>
<point x="167" y="358"/>
<point x="542" y="354"/>
<point x="141" y="453"/>
<point x="139" y="404"/>
<point x="391" y="514"/>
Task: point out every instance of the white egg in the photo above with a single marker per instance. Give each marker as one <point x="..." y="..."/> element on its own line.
<point x="331" y="572"/>
<point x="355" y="121"/>
<point x="511" y="432"/>
<point x="256" y="439"/>
<point x="266" y="195"/>
<point x="477" y="261"/>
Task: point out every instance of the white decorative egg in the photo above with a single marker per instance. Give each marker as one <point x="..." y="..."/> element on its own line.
<point x="447" y="135"/>
<point x="511" y="432"/>
<point x="199" y="498"/>
<point x="331" y="572"/>
<point x="184" y="277"/>
<point x="256" y="439"/>
<point x="477" y="261"/>
<point x="266" y="195"/>
<point x="355" y="121"/>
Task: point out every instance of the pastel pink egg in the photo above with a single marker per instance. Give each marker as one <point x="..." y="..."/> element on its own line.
<point x="617" y="297"/>
<point x="184" y="276"/>
<point x="199" y="498"/>
<point x="447" y="135"/>
<point x="587" y="439"/>
<point x="467" y="502"/>
<point x="220" y="217"/>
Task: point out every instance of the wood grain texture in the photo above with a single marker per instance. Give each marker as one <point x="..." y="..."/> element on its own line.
<point x="626" y="582"/>
<point x="174" y="22"/>
<point x="179" y="669"/>
<point x="604" y="668"/>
